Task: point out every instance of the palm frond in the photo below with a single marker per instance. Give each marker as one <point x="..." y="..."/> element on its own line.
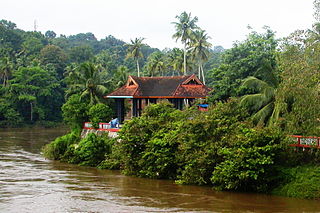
<point x="255" y="83"/>
<point x="84" y="94"/>
<point x="254" y="102"/>
<point x="261" y="117"/>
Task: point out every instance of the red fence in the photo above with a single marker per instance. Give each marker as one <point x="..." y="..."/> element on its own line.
<point x="102" y="127"/>
<point x="305" y="142"/>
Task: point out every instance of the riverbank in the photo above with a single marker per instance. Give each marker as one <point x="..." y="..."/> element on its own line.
<point x="219" y="149"/>
<point x="63" y="187"/>
<point x="300" y="182"/>
<point x="104" y="153"/>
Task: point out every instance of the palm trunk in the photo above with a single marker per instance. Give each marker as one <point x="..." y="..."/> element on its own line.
<point x="204" y="81"/>
<point x="199" y="72"/>
<point x="5" y="79"/>
<point x="185" y="59"/>
<point x="138" y="68"/>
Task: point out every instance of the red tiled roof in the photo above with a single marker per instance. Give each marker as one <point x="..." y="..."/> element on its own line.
<point x="174" y="87"/>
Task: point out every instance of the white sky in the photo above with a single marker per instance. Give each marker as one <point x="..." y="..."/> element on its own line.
<point x="225" y="21"/>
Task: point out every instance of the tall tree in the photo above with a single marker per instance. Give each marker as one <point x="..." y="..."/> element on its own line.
<point x="134" y="51"/>
<point x="31" y="86"/>
<point x="242" y="61"/>
<point x="6" y="68"/>
<point x="200" y="50"/>
<point x="55" y="56"/>
<point x="121" y="76"/>
<point x="156" y="64"/>
<point x="81" y="53"/>
<point x="298" y="93"/>
<point x="50" y="34"/>
<point x="87" y="80"/>
<point x="176" y="61"/>
<point x="184" y="27"/>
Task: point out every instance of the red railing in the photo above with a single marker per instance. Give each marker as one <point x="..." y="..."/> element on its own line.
<point x="102" y="127"/>
<point x="305" y="141"/>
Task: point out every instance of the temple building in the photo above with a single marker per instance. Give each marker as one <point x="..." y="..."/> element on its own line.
<point x="141" y="91"/>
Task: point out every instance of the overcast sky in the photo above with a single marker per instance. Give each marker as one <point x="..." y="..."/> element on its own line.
<point x="225" y="21"/>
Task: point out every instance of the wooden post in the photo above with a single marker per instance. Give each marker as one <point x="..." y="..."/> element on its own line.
<point x="139" y="107"/>
<point x="134" y="107"/>
<point x="120" y="109"/>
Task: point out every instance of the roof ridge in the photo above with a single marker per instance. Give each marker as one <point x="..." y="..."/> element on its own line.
<point x="180" y="76"/>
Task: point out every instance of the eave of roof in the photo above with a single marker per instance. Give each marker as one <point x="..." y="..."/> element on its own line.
<point x="161" y="87"/>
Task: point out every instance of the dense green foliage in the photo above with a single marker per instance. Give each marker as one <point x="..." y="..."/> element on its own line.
<point x="89" y="151"/>
<point x="245" y="59"/>
<point x="79" y="64"/>
<point x="263" y="90"/>
<point x="300" y="182"/>
<point x="38" y="73"/>
<point x="249" y="164"/>
<point x="75" y="112"/>
<point x="57" y="149"/>
<point x="217" y="147"/>
<point x="99" y="113"/>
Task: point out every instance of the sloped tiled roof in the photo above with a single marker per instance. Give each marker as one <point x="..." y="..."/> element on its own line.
<point x="169" y="87"/>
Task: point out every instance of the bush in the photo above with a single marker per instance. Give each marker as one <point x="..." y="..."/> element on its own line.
<point x="250" y="163"/>
<point x="91" y="151"/>
<point x="99" y="113"/>
<point x="146" y="145"/>
<point x="57" y="149"/>
<point x="74" y="112"/>
<point x="112" y="160"/>
<point x="200" y="138"/>
<point x="300" y="182"/>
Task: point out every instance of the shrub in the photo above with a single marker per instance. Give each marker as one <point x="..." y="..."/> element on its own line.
<point x="74" y="112"/>
<point x="200" y="138"/>
<point x="249" y="164"/>
<point x="99" y="113"/>
<point x="300" y="182"/>
<point x="112" y="160"/>
<point x="91" y="151"/>
<point x="146" y="147"/>
<point x="57" y="149"/>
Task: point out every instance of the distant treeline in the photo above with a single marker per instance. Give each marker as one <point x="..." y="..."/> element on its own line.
<point x="38" y="71"/>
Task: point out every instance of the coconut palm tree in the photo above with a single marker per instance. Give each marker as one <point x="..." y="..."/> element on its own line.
<point x="121" y="76"/>
<point x="6" y="68"/>
<point x="200" y="50"/>
<point x="156" y="64"/>
<point x="261" y="105"/>
<point x="176" y="61"/>
<point x="184" y="27"/>
<point x="134" y="51"/>
<point x="87" y="82"/>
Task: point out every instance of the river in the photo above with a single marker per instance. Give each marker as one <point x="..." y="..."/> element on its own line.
<point x="31" y="183"/>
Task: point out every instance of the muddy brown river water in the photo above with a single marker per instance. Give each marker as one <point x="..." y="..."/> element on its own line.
<point x="31" y="183"/>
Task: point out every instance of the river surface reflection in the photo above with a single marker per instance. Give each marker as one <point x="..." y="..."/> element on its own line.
<point x="30" y="183"/>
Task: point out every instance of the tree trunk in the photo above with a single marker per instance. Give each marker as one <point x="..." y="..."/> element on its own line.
<point x="138" y="68"/>
<point x="185" y="59"/>
<point x="199" y="72"/>
<point x="204" y="81"/>
<point x="31" y="112"/>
